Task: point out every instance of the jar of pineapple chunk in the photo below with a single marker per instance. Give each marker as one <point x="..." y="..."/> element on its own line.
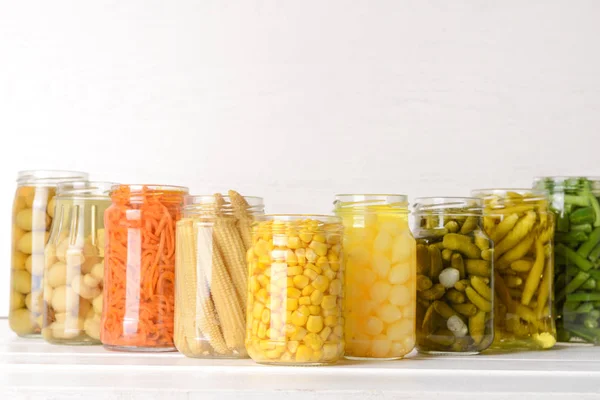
<point x="380" y="276"/>
<point x="455" y="278"/>
<point x="33" y="211"/>
<point x="295" y="290"/>
<point x="211" y="275"/>
<point x="74" y="271"/>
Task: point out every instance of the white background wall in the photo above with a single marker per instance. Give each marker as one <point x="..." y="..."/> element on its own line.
<point x="299" y="100"/>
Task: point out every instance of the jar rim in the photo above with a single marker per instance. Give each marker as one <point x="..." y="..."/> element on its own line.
<point x="209" y="199"/>
<point x="139" y="188"/>
<point x="390" y="197"/>
<point x="503" y="191"/>
<point x="85" y="189"/>
<point x="449" y="205"/>
<point x="324" y="218"/>
<point x="49" y="176"/>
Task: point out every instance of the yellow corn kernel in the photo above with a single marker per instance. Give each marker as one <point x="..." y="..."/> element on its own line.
<point x="332" y="311"/>
<point x="329" y="302"/>
<point x="299" y="318"/>
<point x="262" y="248"/>
<point x="290" y="257"/>
<point x="325" y="333"/>
<point x="311" y="255"/>
<point x="314" y="268"/>
<point x="289" y="329"/>
<point x="254" y="284"/>
<point x="292" y="304"/>
<point x="307" y="291"/>
<point x="301" y="281"/>
<point x="255" y="327"/>
<point x="319" y="237"/>
<point x="339" y="330"/>
<point x="313" y="341"/>
<point x="266" y="316"/>
<point x="314" y="324"/>
<point x="321" y="283"/>
<point x="288" y="315"/>
<point x="262" y="296"/>
<point x="292" y="346"/>
<point x="331" y="320"/>
<point x="304" y="301"/>
<point x="262" y="331"/>
<point x="267" y="272"/>
<point x="264" y="259"/>
<point x="322" y="262"/>
<point x="263" y="280"/>
<point x="317" y="356"/>
<point x="330" y="351"/>
<point x="285" y="357"/>
<point x="293" y="271"/>
<point x="293" y="293"/>
<point x="303" y="354"/>
<point x="314" y="310"/>
<point x="299" y="333"/>
<point x="306" y="237"/>
<point x="272" y="354"/>
<point x="301" y="256"/>
<point x="257" y="310"/>
<point x="330" y="274"/>
<point x="266" y="345"/>
<point x="336" y="249"/>
<point x="319" y="248"/>
<point x="294" y="242"/>
<point x="335" y="287"/>
<point x="333" y="257"/>
<point x="290" y="281"/>
<point x="316" y="297"/>
<point x="312" y="275"/>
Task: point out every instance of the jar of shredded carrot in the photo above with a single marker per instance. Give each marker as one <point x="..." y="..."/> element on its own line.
<point x="211" y="273"/>
<point x="139" y="267"/>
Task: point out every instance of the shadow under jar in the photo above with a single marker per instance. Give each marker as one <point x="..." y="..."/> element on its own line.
<point x="522" y="228"/>
<point x="295" y="290"/>
<point x="211" y="274"/>
<point x="380" y="276"/>
<point x="32" y="214"/>
<point x="455" y="293"/>
<point x="575" y="202"/>
<point x="74" y="272"/>
<point x="139" y="267"/>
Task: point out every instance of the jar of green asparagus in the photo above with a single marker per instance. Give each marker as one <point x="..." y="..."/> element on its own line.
<point x="575" y="202"/>
<point x="522" y="227"/>
<point x="455" y="278"/>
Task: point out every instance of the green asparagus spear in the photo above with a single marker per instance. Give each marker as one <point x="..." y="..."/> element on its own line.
<point x="579" y="201"/>
<point x="573" y="285"/>
<point x="596" y="207"/>
<point x="595" y="254"/>
<point x="583" y="296"/>
<point x="573" y="257"/>
<point x="586" y="228"/>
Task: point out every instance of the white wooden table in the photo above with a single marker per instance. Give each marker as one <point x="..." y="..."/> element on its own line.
<point x="33" y="369"/>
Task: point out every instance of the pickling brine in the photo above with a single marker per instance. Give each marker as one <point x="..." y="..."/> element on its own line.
<point x="380" y="276"/>
<point x="33" y="211"/>
<point x="522" y="228"/>
<point x="455" y="276"/>
<point x="576" y="205"/>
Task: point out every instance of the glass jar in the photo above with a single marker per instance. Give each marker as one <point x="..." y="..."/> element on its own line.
<point x="211" y="275"/>
<point x="295" y="290"/>
<point x="455" y="276"/>
<point x="139" y="267"/>
<point x="33" y="210"/>
<point x="522" y="228"/>
<point x="575" y="202"/>
<point x="380" y="276"/>
<point x="74" y="269"/>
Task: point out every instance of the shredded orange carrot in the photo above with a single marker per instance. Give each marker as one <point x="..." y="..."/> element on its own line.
<point x="139" y="268"/>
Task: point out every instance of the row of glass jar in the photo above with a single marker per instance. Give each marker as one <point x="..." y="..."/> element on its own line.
<point x="187" y="284"/>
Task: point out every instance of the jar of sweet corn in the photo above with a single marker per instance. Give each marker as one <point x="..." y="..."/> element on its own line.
<point x="295" y="290"/>
<point x="74" y="270"/>
<point x="138" y="304"/>
<point x="211" y="275"/>
<point x="455" y="279"/>
<point x="33" y="210"/>
<point x="521" y="226"/>
<point x="380" y="276"/>
<point x="575" y="202"/>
